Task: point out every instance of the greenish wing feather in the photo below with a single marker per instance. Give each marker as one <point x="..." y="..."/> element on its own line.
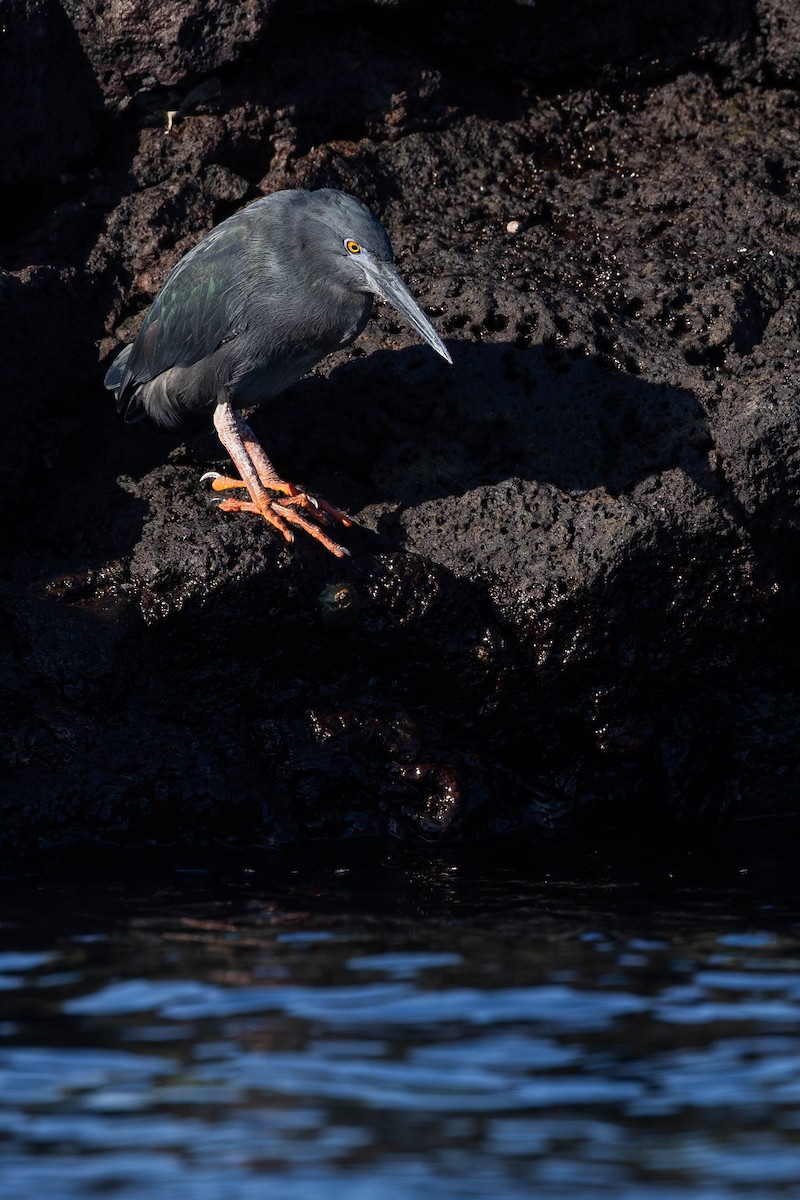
<point x="196" y="310"/>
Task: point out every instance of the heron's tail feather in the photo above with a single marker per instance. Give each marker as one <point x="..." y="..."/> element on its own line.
<point x="116" y="371"/>
<point x="126" y="394"/>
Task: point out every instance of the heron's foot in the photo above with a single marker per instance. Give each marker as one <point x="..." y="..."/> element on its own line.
<point x="281" y="517"/>
<point x="294" y="496"/>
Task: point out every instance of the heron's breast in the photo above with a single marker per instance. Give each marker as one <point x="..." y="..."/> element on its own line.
<point x="262" y="378"/>
<point x="284" y="340"/>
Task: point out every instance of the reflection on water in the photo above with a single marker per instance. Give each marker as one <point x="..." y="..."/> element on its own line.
<point x="396" y="1027"/>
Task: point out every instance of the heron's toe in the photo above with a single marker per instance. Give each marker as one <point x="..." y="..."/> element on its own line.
<point x="221" y="483"/>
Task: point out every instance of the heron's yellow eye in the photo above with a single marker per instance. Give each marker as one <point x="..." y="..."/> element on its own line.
<point x="352" y="247"/>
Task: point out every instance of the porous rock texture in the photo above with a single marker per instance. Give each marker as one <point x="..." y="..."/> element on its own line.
<point x="572" y="600"/>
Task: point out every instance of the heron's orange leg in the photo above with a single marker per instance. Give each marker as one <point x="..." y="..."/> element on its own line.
<point x="259" y="477"/>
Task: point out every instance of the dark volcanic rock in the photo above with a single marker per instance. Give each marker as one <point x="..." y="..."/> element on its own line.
<point x="67" y="66"/>
<point x="575" y="574"/>
<point x="137" y="48"/>
<point x="51" y="99"/>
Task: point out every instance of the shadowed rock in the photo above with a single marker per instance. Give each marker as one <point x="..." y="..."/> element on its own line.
<point x="572" y="592"/>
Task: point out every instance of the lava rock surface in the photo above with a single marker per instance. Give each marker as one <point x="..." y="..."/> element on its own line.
<point x="573" y="588"/>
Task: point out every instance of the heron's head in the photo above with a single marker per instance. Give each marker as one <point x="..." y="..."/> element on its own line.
<point x="363" y="259"/>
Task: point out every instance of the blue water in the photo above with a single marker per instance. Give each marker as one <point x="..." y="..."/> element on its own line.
<point x="392" y="1026"/>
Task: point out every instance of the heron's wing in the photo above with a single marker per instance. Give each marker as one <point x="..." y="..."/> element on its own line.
<point x="197" y="310"/>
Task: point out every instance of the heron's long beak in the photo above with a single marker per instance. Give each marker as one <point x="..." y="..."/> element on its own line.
<point x="384" y="279"/>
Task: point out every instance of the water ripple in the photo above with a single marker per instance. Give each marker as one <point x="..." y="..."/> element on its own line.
<point x="539" y="1050"/>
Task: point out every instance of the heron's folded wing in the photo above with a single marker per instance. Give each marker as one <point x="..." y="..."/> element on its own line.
<point x="198" y="308"/>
